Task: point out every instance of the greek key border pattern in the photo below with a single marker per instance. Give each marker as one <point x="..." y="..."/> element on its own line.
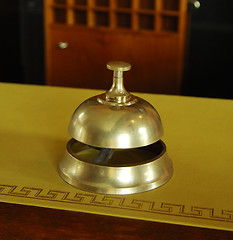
<point x="119" y="202"/>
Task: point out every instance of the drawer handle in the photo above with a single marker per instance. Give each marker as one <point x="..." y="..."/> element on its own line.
<point x="63" y="45"/>
<point x="195" y="3"/>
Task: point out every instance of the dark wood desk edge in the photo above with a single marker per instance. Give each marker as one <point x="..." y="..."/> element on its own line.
<point x="27" y="222"/>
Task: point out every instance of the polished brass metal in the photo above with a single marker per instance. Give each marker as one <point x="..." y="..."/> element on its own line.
<point x="130" y="171"/>
<point x="115" y="146"/>
<point x="116" y="119"/>
<point x="117" y="95"/>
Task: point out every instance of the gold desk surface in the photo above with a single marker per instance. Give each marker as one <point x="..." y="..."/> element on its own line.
<point x="199" y="139"/>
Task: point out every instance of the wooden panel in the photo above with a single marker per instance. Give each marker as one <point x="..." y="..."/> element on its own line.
<point x="27" y="222"/>
<point x="153" y="59"/>
<point x="154" y="67"/>
<point x="148" y="34"/>
<point x="82" y="63"/>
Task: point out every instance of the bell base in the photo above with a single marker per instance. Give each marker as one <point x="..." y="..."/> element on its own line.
<point x="116" y="179"/>
<point x="114" y="191"/>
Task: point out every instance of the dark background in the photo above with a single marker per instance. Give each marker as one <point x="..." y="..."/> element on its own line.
<point x="209" y="60"/>
<point x="209" y="71"/>
<point x="22" y="41"/>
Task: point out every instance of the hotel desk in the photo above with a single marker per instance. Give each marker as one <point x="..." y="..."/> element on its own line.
<point x="35" y="203"/>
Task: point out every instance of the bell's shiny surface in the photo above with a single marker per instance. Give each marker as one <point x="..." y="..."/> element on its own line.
<point x="116" y="119"/>
<point x="107" y="126"/>
<point x="116" y="146"/>
<point x="139" y="170"/>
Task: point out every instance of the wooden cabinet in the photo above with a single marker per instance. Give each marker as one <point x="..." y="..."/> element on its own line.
<point x="83" y="35"/>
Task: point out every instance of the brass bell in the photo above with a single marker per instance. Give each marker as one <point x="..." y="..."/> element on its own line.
<point x="115" y="146"/>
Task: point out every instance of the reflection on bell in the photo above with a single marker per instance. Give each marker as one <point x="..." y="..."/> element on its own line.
<point x="115" y="146"/>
